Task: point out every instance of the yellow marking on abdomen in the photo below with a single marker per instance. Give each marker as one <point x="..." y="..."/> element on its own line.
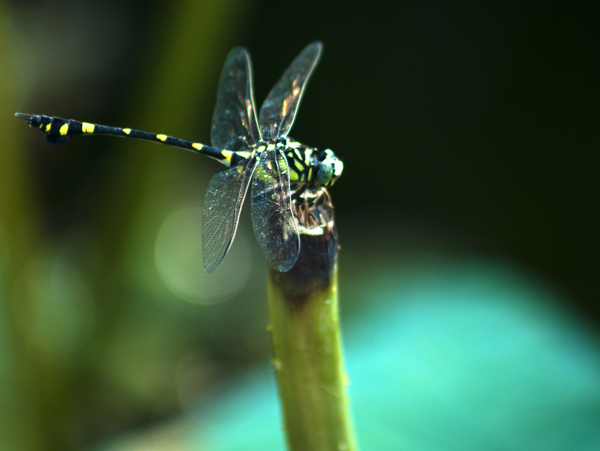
<point x="127" y="131"/>
<point x="197" y="146"/>
<point x="64" y="129"/>
<point x="48" y="127"/>
<point x="86" y="127"/>
<point x="227" y="154"/>
<point x="163" y="138"/>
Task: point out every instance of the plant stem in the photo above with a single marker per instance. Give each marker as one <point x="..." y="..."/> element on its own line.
<point x="307" y="349"/>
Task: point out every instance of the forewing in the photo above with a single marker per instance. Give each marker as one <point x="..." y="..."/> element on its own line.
<point x="279" y="110"/>
<point x="221" y="212"/>
<point x="234" y="120"/>
<point x="272" y="218"/>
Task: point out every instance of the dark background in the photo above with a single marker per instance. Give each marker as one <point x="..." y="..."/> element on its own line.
<point x="470" y="127"/>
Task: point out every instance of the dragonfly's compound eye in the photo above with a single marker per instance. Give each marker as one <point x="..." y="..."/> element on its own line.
<point x="324" y="173"/>
<point x="330" y="168"/>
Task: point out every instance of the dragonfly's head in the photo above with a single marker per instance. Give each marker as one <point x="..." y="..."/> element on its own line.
<point x="329" y="168"/>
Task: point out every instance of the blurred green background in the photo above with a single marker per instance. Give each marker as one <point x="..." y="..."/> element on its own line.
<point x="469" y="133"/>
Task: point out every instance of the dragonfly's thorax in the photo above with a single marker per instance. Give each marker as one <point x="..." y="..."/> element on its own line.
<point x="308" y="167"/>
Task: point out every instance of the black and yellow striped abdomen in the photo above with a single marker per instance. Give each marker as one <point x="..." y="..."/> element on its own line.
<point x="58" y="130"/>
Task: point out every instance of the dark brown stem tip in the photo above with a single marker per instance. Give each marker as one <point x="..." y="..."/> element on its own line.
<point x="313" y="271"/>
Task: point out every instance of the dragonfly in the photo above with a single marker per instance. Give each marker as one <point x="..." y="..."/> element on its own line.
<point x="257" y="151"/>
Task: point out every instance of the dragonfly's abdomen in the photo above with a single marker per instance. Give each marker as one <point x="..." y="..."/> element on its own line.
<point x="58" y="130"/>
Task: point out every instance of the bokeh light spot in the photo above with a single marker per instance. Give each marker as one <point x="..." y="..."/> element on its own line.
<point x="178" y="255"/>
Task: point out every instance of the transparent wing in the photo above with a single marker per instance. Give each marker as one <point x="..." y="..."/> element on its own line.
<point x="234" y="120"/>
<point x="279" y="110"/>
<point x="272" y="218"/>
<point x="221" y="212"/>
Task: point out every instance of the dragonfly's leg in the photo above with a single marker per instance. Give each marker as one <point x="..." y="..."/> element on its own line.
<point x="298" y="193"/>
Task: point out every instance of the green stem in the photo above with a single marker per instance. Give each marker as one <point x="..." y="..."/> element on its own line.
<point x="307" y="348"/>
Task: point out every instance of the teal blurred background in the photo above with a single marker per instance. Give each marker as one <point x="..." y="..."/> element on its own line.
<point x="466" y="214"/>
